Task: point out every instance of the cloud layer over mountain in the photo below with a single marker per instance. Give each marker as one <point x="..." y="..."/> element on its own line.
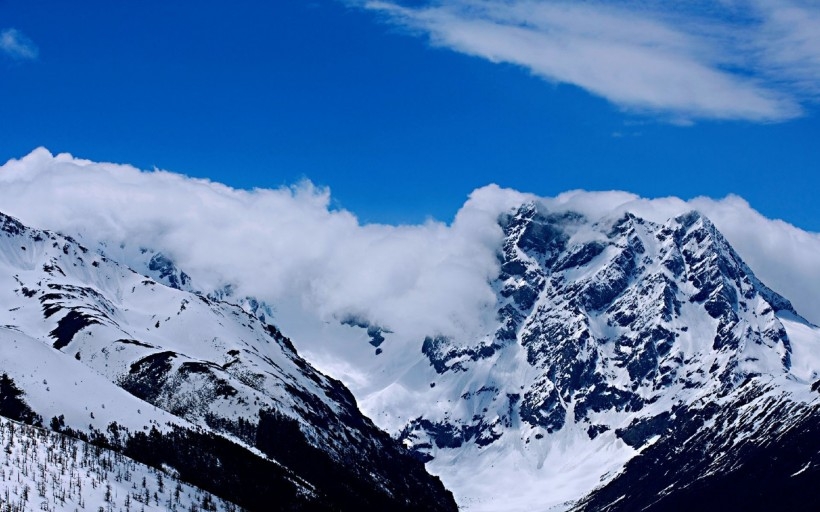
<point x="289" y="245"/>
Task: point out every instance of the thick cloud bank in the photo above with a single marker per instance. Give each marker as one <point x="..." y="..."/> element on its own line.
<point x="279" y="245"/>
<point x="288" y="246"/>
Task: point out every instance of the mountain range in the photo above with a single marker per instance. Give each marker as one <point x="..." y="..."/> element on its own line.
<point x="630" y="364"/>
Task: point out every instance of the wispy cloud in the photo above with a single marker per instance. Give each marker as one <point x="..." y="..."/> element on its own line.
<point x="756" y="60"/>
<point x="17" y="46"/>
<point x="788" y="42"/>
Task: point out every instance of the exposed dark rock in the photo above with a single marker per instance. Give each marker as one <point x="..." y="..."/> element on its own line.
<point x="148" y="376"/>
<point x="643" y="429"/>
<point x="68" y="326"/>
<point x="760" y="456"/>
<point x="168" y="271"/>
<point x="580" y="256"/>
<point x="542" y="407"/>
<point x="375" y="332"/>
<point x="445" y="357"/>
<point x="12" y="404"/>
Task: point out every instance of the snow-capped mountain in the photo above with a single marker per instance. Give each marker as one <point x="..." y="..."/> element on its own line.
<point x="610" y="318"/>
<point x="633" y="363"/>
<point x="181" y="381"/>
<point x="614" y="337"/>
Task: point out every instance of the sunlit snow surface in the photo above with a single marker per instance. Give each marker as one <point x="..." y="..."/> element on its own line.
<point x="512" y="476"/>
<point x="805" y="340"/>
<point x="127" y="317"/>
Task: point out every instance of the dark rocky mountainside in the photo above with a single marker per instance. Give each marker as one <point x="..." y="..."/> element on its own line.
<point x="760" y="450"/>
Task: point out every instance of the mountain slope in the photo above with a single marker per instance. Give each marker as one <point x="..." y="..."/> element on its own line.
<point x="176" y="378"/>
<point x="756" y="449"/>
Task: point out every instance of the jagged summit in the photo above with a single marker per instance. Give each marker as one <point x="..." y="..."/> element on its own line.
<point x="613" y="315"/>
<point x="605" y="329"/>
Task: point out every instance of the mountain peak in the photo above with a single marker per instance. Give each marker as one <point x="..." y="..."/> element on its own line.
<point x="608" y="318"/>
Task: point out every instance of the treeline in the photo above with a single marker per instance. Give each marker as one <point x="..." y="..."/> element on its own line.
<point x="49" y="471"/>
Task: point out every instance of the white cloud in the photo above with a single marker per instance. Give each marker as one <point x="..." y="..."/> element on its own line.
<point x="17" y="46"/>
<point x="287" y="247"/>
<point x="753" y="60"/>
<point x="788" y="42"/>
<point x="280" y="245"/>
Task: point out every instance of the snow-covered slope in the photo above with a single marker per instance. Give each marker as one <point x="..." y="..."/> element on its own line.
<point x="114" y="354"/>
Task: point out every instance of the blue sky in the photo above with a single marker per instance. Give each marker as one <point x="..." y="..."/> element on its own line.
<point x="402" y="110"/>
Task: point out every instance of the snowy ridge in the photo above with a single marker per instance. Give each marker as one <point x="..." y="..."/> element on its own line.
<point x="95" y="343"/>
<point x="111" y="320"/>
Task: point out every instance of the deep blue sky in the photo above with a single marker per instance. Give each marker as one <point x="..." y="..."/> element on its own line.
<point x="261" y="94"/>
